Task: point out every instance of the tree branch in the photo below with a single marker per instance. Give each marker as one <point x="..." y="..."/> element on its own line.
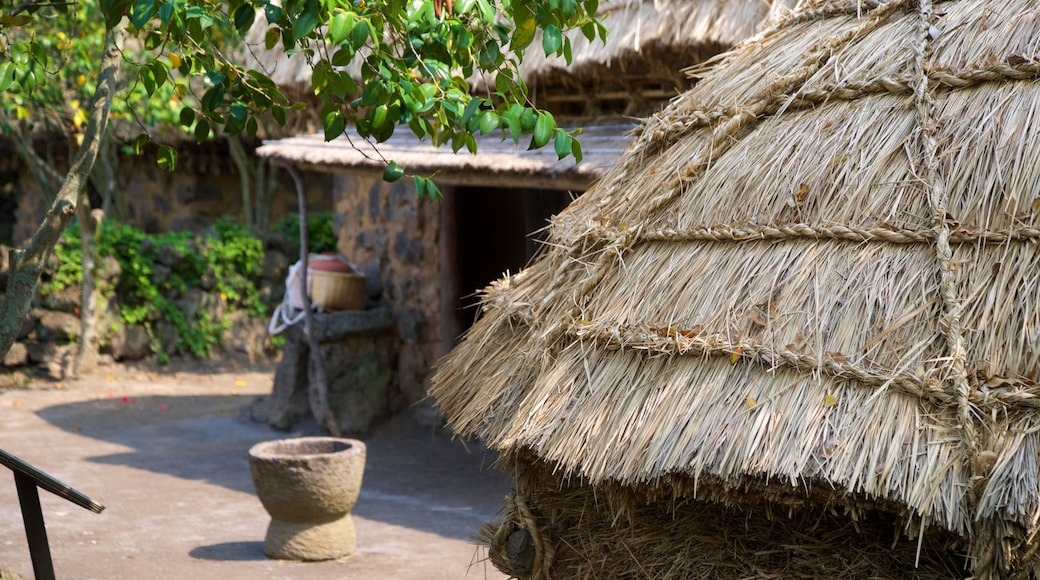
<point x="27" y="264"/>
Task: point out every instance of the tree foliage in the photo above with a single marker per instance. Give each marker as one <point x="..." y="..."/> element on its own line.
<point x="376" y="65"/>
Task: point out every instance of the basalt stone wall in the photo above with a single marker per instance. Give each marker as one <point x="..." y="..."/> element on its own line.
<point x="393" y="238"/>
<point x="204" y="187"/>
<point x="50" y="334"/>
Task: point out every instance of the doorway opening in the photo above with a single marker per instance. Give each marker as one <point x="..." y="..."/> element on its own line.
<point x="493" y="231"/>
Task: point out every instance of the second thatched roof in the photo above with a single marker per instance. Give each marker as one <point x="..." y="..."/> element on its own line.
<point x="817" y="271"/>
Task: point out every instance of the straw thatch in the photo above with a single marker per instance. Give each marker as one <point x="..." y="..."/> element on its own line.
<point x="639" y="65"/>
<point x="651" y="31"/>
<point x="816" y="272"/>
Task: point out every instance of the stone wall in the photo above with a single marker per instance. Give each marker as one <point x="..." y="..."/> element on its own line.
<point x="393" y="238"/>
<point x="204" y="187"/>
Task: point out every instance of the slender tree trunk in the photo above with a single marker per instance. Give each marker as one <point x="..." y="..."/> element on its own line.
<point x="317" y="380"/>
<point x="266" y="184"/>
<point x="105" y="178"/>
<point x="245" y="174"/>
<point x="258" y="185"/>
<point x="27" y="264"/>
<point x="90" y="227"/>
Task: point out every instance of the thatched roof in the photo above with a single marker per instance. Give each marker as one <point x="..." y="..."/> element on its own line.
<point x="640" y="28"/>
<point x="498" y="162"/>
<point x="816" y="271"/>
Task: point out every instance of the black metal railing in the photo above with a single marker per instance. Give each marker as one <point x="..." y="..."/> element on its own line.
<point x="28" y="480"/>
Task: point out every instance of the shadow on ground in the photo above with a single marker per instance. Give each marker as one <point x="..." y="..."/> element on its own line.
<point x="414" y="477"/>
<point x="230" y="552"/>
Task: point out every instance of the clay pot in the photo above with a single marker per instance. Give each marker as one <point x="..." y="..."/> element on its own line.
<point x="308" y="485"/>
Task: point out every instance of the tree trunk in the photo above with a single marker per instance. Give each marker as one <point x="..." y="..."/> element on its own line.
<point x="27" y="264"/>
<point x="257" y="185"/>
<point x="105" y="178"/>
<point x="245" y="174"/>
<point x="90" y="227"/>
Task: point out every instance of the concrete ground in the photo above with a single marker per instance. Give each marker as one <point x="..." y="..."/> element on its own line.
<point x="164" y="450"/>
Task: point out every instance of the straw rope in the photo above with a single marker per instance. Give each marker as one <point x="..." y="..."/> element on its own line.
<point x="746" y="232"/>
<point x="1014" y="68"/>
<point x="985" y="547"/>
<point x="830" y="10"/>
<point x="1017" y="395"/>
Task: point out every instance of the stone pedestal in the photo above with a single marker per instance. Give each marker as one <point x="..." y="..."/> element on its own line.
<point x="308" y="485"/>
<point x="360" y="352"/>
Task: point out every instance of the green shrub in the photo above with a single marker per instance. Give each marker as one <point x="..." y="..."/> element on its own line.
<point x="321" y="236"/>
<point x="228" y="255"/>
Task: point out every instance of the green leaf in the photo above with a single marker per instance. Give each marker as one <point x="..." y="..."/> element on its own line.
<point x="543" y="130"/>
<point x="343" y="57"/>
<point x="244" y="17"/>
<point x="142" y="13"/>
<point x="420" y="185"/>
<point x="392" y="172"/>
<point x="167" y="157"/>
<point x="425" y="187"/>
<point x="187" y="116"/>
<point x="139" y="142"/>
<point x="523" y="34"/>
<point x="589" y="30"/>
<point x="251" y="127"/>
<point x="306" y="21"/>
<point x="202" y="130"/>
<point x="471" y="109"/>
<point x="527" y="120"/>
<point x="238" y="112"/>
<point x="487" y="11"/>
<point x="384" y="121"/>
<point x="334" y="123"/>
<point x="552" y="39"/>
<point x="569" y="8"/>
<point x="213" y="98"/>
<point x="512" y="119"/>
<point x="148" y="80"/>
<point x="488" y="122"/>
<point x="279" y="115"/>
<point x="159" y="72"/>
<point x="562" y="144"/>
<point x="6" y="75"/>
<point x="274" y="13"/>
<point x="341" y="26"/>
<point x="271" y="37"/>
<point x="375" y="92"/>
<point x="359" y="35"/>
<point x="576" y="150"/>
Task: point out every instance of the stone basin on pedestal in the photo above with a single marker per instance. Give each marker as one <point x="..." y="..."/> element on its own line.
<point x="308" y="485"/>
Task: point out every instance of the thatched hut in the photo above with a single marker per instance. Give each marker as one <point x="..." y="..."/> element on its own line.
<point x="795" y="331"/>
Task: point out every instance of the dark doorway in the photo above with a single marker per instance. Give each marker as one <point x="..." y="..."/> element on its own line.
<point x="496" y="230"/>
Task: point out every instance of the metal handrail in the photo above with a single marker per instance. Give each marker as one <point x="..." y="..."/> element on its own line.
<point x="28" y="479"/>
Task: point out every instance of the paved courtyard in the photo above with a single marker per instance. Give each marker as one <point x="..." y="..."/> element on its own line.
<point x="164" y="449"/>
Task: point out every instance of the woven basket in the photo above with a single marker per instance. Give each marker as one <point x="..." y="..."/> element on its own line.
<point x="337" y="290"/>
